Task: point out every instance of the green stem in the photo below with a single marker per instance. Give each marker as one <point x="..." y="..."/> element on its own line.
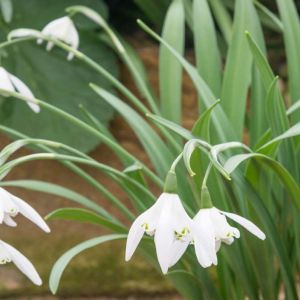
<point x="113" y="145"/>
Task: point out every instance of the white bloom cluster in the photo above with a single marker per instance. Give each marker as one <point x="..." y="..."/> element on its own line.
<point x="10" y="207"/>
<point x="174" y="231"/>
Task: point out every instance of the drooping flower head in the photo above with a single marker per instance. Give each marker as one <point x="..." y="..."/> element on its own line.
<point x="11" y="205"/>
<point x="10" y="254"/>
<point x="64" y="30"/>
<point x="210" y="228"/>
<point x="13" y="84"/>
<point x="169" y="223"/>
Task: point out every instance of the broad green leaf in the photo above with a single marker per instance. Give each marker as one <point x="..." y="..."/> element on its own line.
<point x="52" y="78"/>
<point x="208" y="57"/>
<point x="187" y="284"/>
<point x="83" y="215"/>
<point x="238" y="65"/>
<point x="65" y="259"/>
<point x="57" y="190"/>
<point x="156" y="149"/>
<point x="170" y="70"/>
<point x="220" y="121"/>
<point x="291" y="34"/>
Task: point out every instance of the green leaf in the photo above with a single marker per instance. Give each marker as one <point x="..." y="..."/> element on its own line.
<point x="208" y="57"/>
<point x="291" y="185"/>
<point x="238" y="65"/>
<point x="154" y="10"/>
<point x="291" y="132"/>
<point x="57" y="190"/>
<point x="158" y="152"/>
<point x="52" y="78"/>
<point x="171" y="126"/>
<point x="223" y="18"/>
<point x="268" y="18"/>
<point x="220" y="121"/>
<point x="186" y="283"/>
<point x="7" y="10"/>
<point x="202" y="125"/>
<point x="294" y="107"/>
<point x="170" y="70"/>
<point x="83" y="215"/>
<point x="291" y="34"/>
<point x="65" y="259"/>
<point x="260" y="59"/>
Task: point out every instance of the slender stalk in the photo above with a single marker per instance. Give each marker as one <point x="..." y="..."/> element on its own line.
<point x="112" y="144"/>
<point x="77" y="170"/>
<point x="102" y="167"/>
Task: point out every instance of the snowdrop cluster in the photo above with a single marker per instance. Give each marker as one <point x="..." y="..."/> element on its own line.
<point x="10" y="207"/>
<point x="174" y="231"/>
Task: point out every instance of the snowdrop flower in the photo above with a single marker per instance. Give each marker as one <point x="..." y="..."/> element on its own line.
<point x="10" y="254"/>
<point x="210" y="228"/>
<point x="11" y="205"/>
<point x="64" y="30"/>
<point x="12" y="83"/>
<point x="169" y="223"/>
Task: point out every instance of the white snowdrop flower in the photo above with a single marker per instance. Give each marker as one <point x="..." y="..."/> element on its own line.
<point x="64" y="30"/>
<point x="210" y="228"/>
<point x="170" y="225"/>
<point x="13" y="84"/>
<point x="11" y="205"/>
<point x="10" y="254"/>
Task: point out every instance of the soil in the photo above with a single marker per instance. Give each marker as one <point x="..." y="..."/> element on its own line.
<point x="99" y="271"/>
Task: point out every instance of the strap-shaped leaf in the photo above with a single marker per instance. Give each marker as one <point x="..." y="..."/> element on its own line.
<point x="83" y="215"/>
<point x="170" y="70"/>
<point x="208" y="57"/>
<point x="238" y="65"/>
<point x="221" y="123"/>
<point x="291" y="34"/>
<point x="65" y="259"/>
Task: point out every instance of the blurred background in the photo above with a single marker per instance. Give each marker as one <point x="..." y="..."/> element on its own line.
<point x="101" y="271"/>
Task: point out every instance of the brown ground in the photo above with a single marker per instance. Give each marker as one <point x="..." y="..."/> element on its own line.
<point x="99" y="271"/>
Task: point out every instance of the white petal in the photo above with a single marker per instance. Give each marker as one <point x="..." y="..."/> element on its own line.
<point x="23" y="32"/>
<point x="178" y="249"/>
<point x="27" y="211"/>
<point x="164" y="238"/>
<point x="218" y="245"/>
<point x="134" y="237"/>
<point x="22" y="263"/>
<point x="49" y="46"/>
<point x="5" y="82"/>
<point x="204" y="236"/>
<point x="9" y="221"/>
<point x="25" y="91"/>
<point x="203" y="257"/>
<point x="246" y="224"/>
